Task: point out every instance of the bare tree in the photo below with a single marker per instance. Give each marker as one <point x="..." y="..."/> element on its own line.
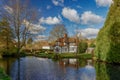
<point x="58" y="31"/>
<point x="21" y="18"/>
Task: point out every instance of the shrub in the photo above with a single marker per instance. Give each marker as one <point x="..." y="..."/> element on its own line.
<point x="92" y="45"/>
<point x="82" y="47"/>
<point x="56" y="57"/>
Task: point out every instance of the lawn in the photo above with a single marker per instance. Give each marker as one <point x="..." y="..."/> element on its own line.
<point x="66" y="55"/>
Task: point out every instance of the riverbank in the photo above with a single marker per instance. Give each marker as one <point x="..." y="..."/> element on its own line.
<point x="66" y="55"/>
<point x="3" y="76"/>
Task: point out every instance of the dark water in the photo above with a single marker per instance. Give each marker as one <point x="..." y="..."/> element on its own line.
<point x="33" y="68"/>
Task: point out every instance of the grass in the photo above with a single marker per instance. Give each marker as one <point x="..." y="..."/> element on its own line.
<point x="3" y="76"/>
<point x="66" y="55"/>
<point x="45" y="55"/>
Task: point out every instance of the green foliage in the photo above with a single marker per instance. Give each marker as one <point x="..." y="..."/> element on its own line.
<point x="56" y="57"/>
<point x="92" y="45"/>
<point x="45" y="55"/>
<point x="82" y="47"/>
<point x="12" y="52"/>
<point x="65" y="55"/>
<point x="3" y="76"/>
<point x="108" y="40"/>
<point x="22" y="53"/>
<point x="107" y="71"/>
<point x="101" y="71"/>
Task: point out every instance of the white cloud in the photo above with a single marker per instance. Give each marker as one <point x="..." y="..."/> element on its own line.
<point x="88" y="18"/>
<point x="36" y="28"/>
<point x="48" y="7"/>
<point x="71" y="14"/>
<point x="8" y="9"/>
<point x="88" y="32"/>
<point x="55" y="2"/>
<point x="50" y="20"/>
<point x="58" y="2"/>
<point x="33" y="28"/>
<point x="40" y="38"/>
<point x="104" y="2"/>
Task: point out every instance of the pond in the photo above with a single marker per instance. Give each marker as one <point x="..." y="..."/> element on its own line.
<point x="34" y="68"/>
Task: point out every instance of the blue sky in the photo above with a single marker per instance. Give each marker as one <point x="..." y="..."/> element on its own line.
<point x="87" y="16"/>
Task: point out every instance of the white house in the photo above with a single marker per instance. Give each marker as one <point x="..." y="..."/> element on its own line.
<point x="66" y="45"/>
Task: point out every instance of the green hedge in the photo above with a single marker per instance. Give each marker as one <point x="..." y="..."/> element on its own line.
<point x="108" y="40"/>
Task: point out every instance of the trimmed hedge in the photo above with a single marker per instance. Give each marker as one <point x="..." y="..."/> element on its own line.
<point x="108" y="40"/>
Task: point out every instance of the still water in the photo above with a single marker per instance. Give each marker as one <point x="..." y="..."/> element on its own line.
<point x="33" y="68"/>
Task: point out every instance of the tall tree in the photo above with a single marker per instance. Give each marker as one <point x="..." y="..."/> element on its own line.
<point x="6" y="35"/>
<point x="58" y="31"/>
<point x="21" y="17"/>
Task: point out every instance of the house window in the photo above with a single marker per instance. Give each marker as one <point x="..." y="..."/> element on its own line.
<point x="65" y="49"/>
<point x="73" y="49"/>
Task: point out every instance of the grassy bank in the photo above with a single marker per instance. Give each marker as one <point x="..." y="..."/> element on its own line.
<point x="66" y="55"/>
<point x="3" y="76"/>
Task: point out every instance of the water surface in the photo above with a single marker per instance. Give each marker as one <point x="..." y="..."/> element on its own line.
<point x="33" y="68"/>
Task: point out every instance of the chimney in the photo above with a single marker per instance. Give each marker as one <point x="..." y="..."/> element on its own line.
<point x="65" y="35"/>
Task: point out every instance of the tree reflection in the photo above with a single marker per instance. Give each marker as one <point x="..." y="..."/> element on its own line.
<point x="107" y="71"/>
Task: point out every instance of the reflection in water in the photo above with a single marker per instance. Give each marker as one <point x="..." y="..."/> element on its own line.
<point x="107" y="71"/>
<point x="88" y="73"/>
<point x="32" y="68"/>
<point x="76" y="72"/>
<point x="6" y="63"/>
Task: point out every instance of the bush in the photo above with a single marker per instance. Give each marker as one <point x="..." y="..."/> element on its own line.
<point x="92" y="45"/>
<point x="82" y="47"/>
<point x="12" y="53"/>
<point x="56" y="57"/>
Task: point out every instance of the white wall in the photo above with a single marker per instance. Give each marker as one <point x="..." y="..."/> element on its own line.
<point x="45" y="47"/>
<point x="72" y="49"/>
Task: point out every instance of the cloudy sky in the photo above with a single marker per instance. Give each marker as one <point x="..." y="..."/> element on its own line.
<point x="87" y="16"/>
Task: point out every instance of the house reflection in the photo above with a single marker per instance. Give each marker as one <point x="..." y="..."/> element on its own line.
<point x="75" y="63"/>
